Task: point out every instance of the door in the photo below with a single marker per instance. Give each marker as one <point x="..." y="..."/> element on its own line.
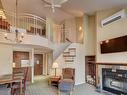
<point x="38" y="64"/>
<point x="18" y="56"/>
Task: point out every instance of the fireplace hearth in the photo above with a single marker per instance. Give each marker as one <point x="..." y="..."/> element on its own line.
<point x="114" y="81"/>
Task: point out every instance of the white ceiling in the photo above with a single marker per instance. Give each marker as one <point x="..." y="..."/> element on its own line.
<point x="69" y="9"/>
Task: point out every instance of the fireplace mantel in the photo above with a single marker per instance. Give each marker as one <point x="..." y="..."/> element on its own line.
<point x="108" y="63"/>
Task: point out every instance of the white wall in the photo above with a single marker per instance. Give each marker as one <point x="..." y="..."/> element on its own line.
<point x="78" y="63"/>
<point x="35" y="40"/>
<point x="5" y="59"/>
<point x="112" y="30"/>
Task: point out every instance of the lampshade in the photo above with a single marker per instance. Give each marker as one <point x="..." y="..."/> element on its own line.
<point x="55" y="65"/>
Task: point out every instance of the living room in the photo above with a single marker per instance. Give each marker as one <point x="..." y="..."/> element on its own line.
<point x="93" y="56"/>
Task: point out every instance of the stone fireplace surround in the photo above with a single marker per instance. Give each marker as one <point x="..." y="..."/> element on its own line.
<point x="112" y="67"/>
<point x="114" y="81"/>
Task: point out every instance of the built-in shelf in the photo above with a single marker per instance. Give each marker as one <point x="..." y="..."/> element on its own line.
<point x="66" y="52"/>
<point x="72" y="49"/>
<point x="69" y="55"/>
<point x="69" y="60"/>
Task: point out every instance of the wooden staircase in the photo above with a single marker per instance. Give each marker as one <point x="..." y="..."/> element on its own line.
<point x="69" y="55"/>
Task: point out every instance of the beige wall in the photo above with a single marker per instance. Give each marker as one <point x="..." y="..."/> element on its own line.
<point x="79" y="31"/>
<point x="5" y="59"/>
<point x="89" y="35"/>
<point x="57" y="33"/>
<point x="70" y="28"/>
<point x="112" y="30"/>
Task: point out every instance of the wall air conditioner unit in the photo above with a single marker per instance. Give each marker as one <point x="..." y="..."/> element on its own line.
<point x="119" y="15"/>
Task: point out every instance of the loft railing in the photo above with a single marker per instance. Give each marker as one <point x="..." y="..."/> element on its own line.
<point x="29" y="23"/>
<point x="61" y="34"/>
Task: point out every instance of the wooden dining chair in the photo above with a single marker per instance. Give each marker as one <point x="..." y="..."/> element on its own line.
<point x="16" y="86"/>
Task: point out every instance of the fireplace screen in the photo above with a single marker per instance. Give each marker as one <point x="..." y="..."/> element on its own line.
<point x="115" y="82"/>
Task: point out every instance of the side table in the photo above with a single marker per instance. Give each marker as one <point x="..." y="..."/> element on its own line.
<point x="54" y="80"/>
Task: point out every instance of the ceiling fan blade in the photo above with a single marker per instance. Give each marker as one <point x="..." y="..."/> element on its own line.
<point x="62" y="1"/>
<point x="53" y="9"/>
<point x="57" y="6"/>
<point x="46" y="2"/>
<point x="52" y="5"/>
<point x="47" y="5"/>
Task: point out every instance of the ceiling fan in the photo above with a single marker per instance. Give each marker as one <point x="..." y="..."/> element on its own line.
<point x="54" y="3"/>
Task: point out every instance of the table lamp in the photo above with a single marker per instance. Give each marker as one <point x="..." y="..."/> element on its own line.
<point x="55" y="66"/>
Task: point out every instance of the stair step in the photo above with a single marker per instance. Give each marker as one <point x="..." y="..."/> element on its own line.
<point x="69" y="55"/>
<point x="66" y="52"/>
<point x="72" y="49"/>
<point x="69" y="60"/>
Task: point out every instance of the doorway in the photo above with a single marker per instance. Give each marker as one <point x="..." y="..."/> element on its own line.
<point x="21" y="60"/>
<point x="38" y="64"/>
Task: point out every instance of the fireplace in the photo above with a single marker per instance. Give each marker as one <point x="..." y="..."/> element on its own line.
<point x="114" y="81"/>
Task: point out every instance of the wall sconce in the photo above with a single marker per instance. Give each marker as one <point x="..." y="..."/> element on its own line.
<point x="101" y="42"/>
<point x="107" y="41"/>
<point x="80" y="28"/>
<point x="2" y="14"/>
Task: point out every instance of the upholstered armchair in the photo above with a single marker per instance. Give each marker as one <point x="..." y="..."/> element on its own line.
<point x="68" y="80"/>
<point x="68" y="73"/>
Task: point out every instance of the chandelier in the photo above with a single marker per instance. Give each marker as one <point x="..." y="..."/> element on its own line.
<point x="18" y="36"/>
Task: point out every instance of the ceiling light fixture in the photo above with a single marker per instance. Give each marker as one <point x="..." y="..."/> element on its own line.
<point x="18" y="36"/>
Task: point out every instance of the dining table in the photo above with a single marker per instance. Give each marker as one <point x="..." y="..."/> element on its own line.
<point x="12" y="78"/>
